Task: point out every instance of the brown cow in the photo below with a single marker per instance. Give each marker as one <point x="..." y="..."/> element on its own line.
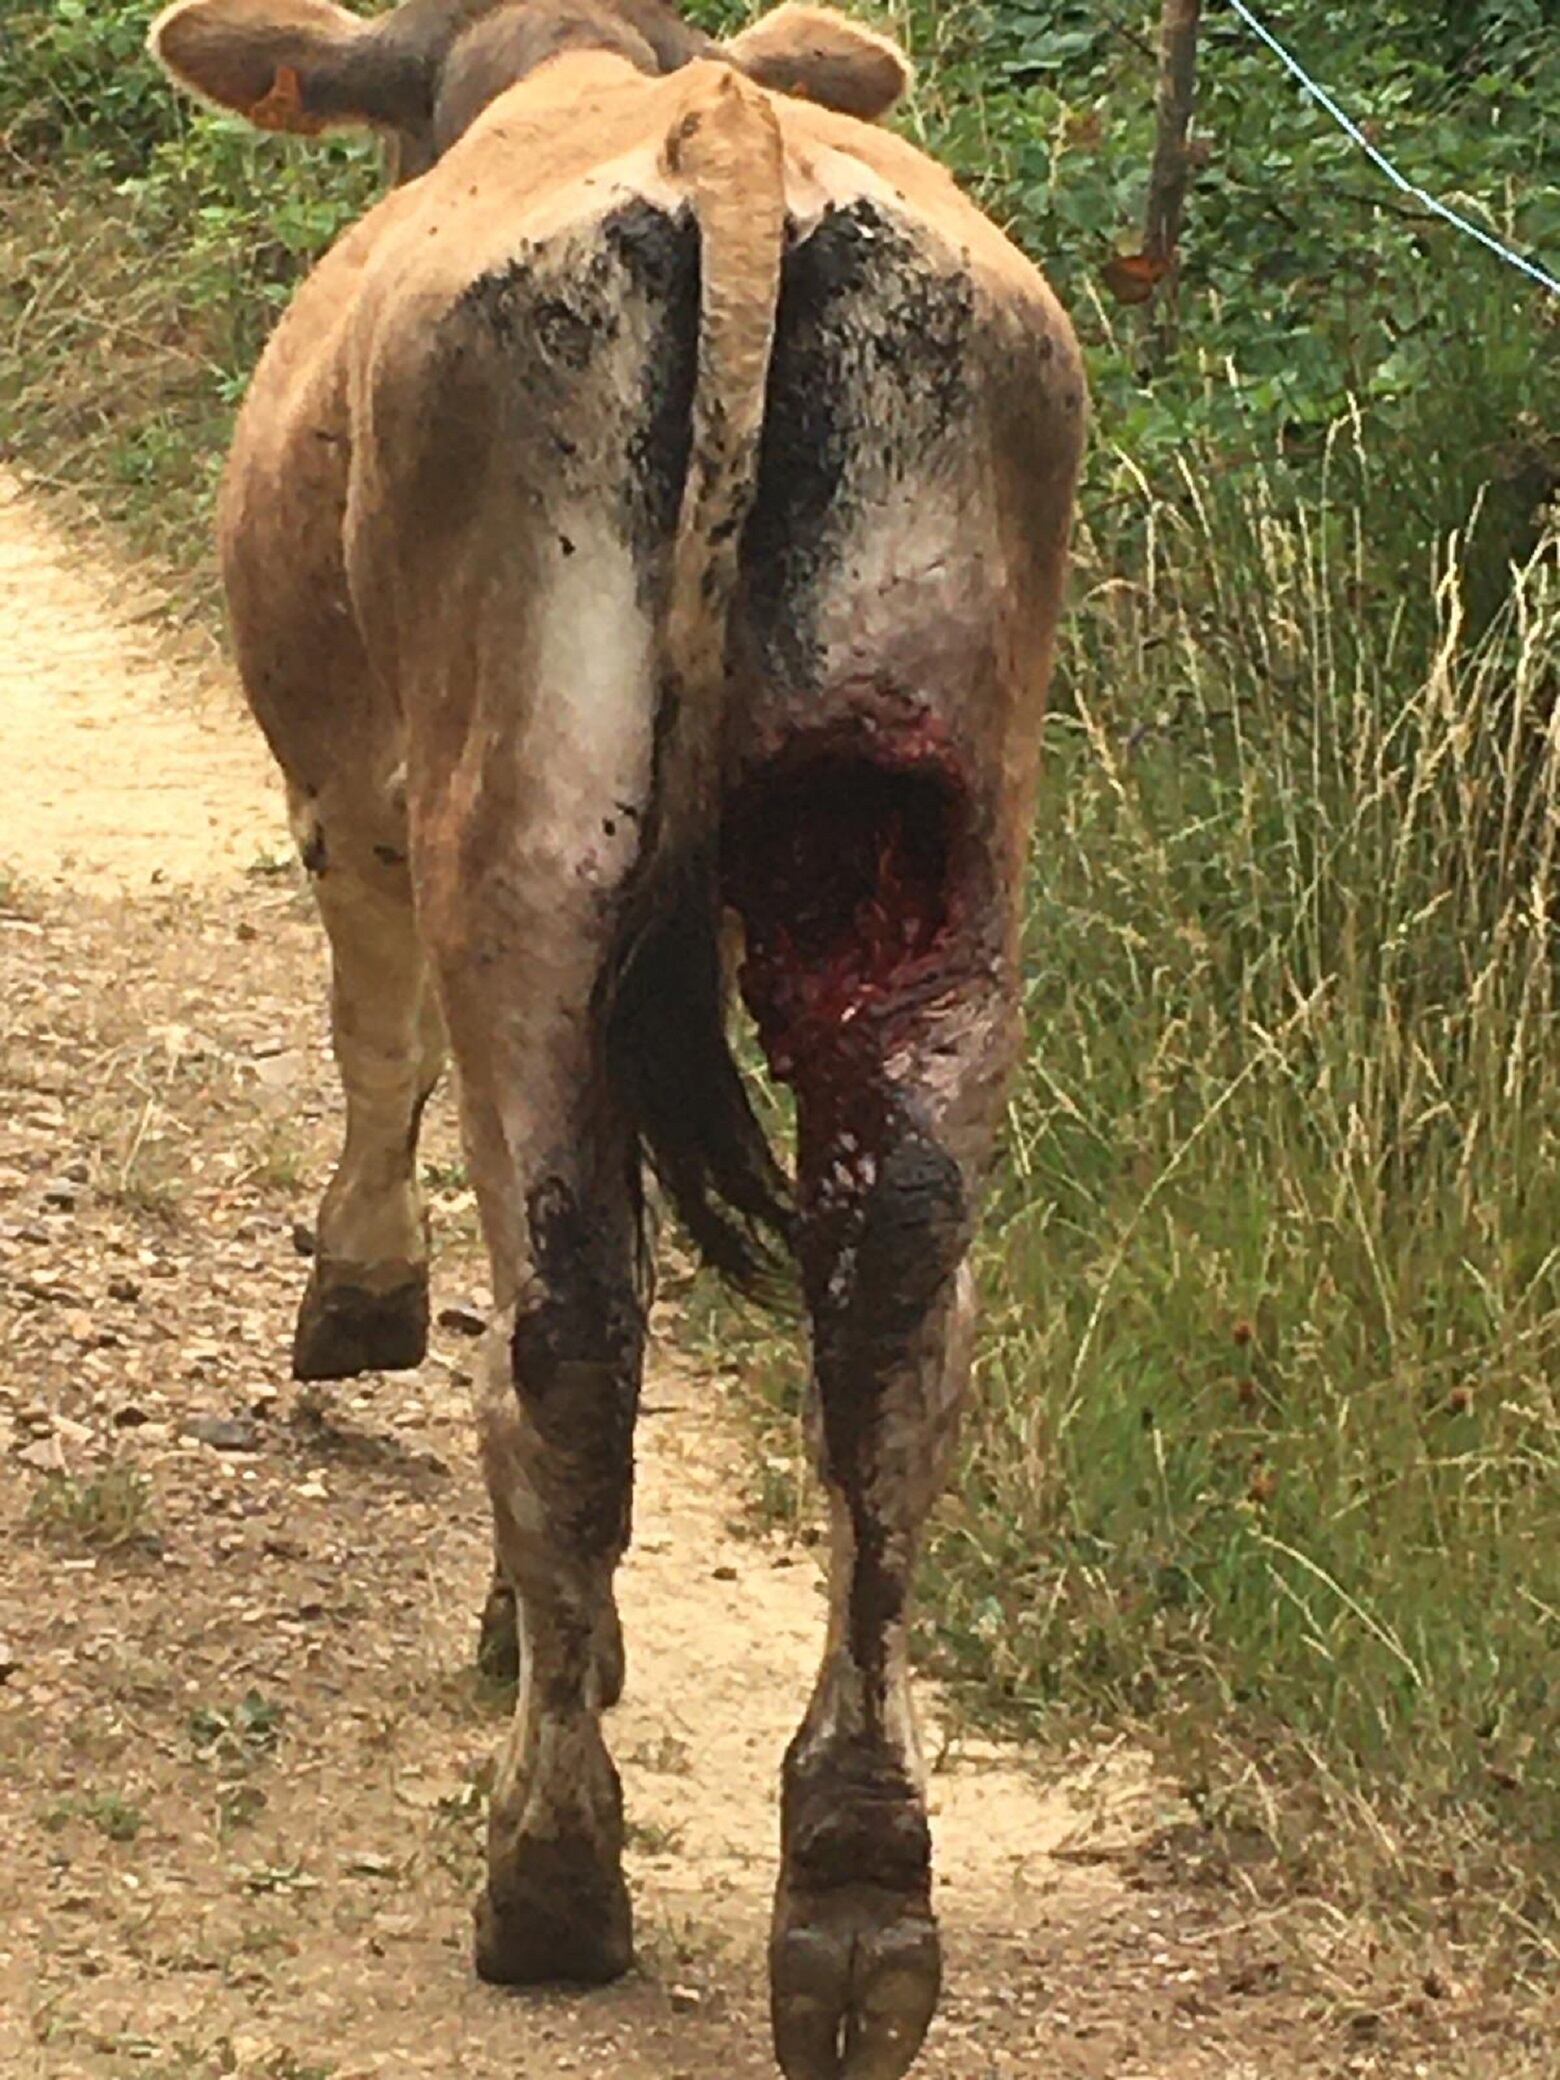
<point x="658" y="505"/>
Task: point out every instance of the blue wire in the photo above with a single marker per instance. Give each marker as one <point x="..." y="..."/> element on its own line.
<point x="1378" y="159"/>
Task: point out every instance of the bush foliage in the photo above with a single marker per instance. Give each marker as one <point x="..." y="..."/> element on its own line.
<point x="1265" y="1452"/>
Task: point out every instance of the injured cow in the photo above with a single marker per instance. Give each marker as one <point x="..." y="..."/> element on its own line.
<point x="656" y="507"/>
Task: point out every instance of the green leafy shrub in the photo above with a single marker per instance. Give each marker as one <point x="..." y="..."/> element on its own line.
<point x="76" y="79"/>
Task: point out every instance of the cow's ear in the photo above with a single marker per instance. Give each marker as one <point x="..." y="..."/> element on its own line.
<point x="299" y="65"/>
<point x="818" y="55"/>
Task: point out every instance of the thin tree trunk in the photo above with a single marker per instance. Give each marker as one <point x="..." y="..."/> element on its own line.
<point x="1167" y="176"/>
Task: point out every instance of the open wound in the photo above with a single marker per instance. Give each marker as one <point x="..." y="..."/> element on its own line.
<point x="848" y="855"/>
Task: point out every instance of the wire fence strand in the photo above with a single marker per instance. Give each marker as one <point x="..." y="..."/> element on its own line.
<point x="1383" y="164"/>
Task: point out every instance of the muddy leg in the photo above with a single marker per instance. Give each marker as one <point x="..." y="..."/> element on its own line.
<point x="559" y="1395"/>
<point x="366" y="1305"/>
<point x="855" y="1961"/>
<point x="498" y="1640"/>
<point x="554" y="1165"/>
<point x="883" y="993"/>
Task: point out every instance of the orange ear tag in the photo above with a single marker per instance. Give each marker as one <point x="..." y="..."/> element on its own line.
<point x="281" y="107"/>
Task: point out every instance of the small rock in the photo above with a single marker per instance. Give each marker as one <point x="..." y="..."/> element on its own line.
<point x="277" y="1073"/>
<point x="684" y="1999"/>
<point x="224" y="1433"/>
<point x="47" y="1455"/>
<point x="72" y="1432"/>
<point x="464" y="1320"/>
<point x="129" y="1415"/>
<point x="62" y="1194"/>
<point x="77" y="1172"/>
<point x="9" y="1663"/>
<point x="723" y="1574"/>
<point x="122" y="1288"/>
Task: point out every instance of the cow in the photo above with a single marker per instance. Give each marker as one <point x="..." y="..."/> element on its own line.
<point x="652" y="514"/>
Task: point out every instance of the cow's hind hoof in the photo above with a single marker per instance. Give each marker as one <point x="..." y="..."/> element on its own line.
<point x="345" y="1328"/>
<point x="561" y="1919"/>
<point x="854" y="1977"/>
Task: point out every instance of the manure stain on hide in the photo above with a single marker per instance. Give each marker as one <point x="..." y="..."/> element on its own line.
<point x="561" y="311"/>
<point x="659" y="252"/>
<point x="870" y="365"/>
<point x="575" y="1356"/>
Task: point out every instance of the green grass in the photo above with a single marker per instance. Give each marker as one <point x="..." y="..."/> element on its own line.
<point x="115" y="1817"/>
<point x="1266" y="1447"/>
<point x="110" y="1510"/>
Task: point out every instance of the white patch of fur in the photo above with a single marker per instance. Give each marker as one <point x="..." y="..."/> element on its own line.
<point x="588" y="741"/>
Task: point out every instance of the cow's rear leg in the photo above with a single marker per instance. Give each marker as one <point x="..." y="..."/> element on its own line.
<point x="554" y="1164"/>
<point x="366" y="1303"/>
<point x="855" y="1960"/>
<point x="875" y="968"/>
<point x="559" y="1395"/>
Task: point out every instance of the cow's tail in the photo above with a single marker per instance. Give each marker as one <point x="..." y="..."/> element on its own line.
<point x="667" y="1029"/>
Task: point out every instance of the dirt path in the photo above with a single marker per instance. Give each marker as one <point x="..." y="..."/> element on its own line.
<point x="242" y="1753"/>
<point x="124" y="788"/>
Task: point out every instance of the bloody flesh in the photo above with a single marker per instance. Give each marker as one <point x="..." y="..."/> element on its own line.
<point x="843" y="858"/>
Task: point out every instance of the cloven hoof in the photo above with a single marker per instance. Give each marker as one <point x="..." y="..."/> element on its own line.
<point x="561" y="1919"/>
<point x="854" y="1977"/>
<point x="344" y="1329"/>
